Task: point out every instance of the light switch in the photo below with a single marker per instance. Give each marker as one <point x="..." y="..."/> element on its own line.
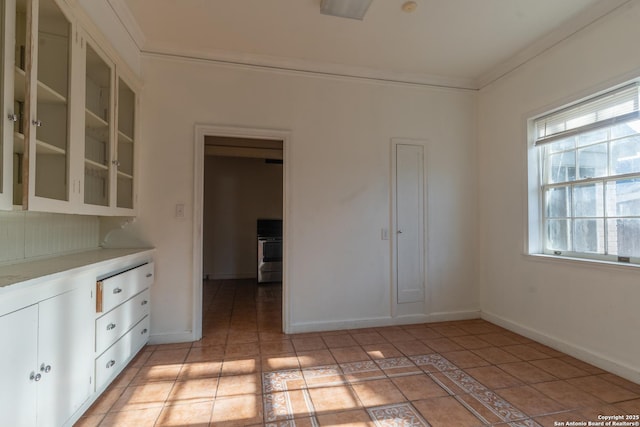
<point x="385" y="234"/>
<point x="180" y="210"/>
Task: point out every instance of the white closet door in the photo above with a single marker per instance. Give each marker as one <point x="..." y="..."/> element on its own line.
<point x="410" y="222"/>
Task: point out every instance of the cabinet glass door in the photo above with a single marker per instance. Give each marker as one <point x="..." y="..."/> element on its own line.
<point x="126" y="141"/>
<point x="97" y="129"/>
<point x="19" y="96"/>
<point x="52" y="98"/>
<point x="4" y="202"/>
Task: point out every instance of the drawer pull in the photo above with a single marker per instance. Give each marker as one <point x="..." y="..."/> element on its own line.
<point x="145" y="302"/>
<point x="117" y="290"/>
<point x="149" y="274"/>
<point x="110" y="363"/>
<point x="111" y="326"/>
<point x="144" y="331"/>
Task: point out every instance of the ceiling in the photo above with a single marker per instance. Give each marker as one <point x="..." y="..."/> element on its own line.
<point x="457" y="43"/>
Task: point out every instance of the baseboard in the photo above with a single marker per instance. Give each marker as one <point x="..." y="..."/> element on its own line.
<point x="376" y="322"/>
<point x="622" y="369"/>
<point x="171" y="338"/>
<point x="448" y="316"/>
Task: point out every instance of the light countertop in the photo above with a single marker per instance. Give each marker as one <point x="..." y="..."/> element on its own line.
<point x="25" y="271"/>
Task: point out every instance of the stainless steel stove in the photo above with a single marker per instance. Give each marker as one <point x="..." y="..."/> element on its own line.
<point x="269" y="250"/>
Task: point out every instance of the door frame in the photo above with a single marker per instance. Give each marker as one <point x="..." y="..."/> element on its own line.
<point x="201" y="131"/>
<point x="420" y="308"/>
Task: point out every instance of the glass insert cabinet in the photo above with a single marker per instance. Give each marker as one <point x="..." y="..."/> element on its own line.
<point x="69" y="115"/>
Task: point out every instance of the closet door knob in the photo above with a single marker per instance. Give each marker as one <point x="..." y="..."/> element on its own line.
<point x="37" y="123"/>
<point x="12" y="117"/>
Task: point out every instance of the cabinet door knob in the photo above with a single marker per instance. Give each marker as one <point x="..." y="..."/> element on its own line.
<point x="38" y="377"/>
<point x="111" y="326"/>
<point x="115" y="162"/>
<point x="145" y="302"/>
<point x="144" y="331"/>
<point x="37" y="123"/>
<point x="117" y="290"/>
<point x="149" y="274"/>
<point x="12" y="117"/>
<point x="45" y="368"/>
<point x="110" y="363"/>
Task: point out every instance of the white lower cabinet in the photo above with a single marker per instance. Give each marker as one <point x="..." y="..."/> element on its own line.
<point x="112" y="361"/>
<point x="63" y="339"/>
<point x="122" y="320"/>
<point x="18" y="362"/>
<point x="45" y="360"/>
<point x="114" y="324"/>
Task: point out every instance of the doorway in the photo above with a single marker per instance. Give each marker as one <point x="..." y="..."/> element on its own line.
<point x="230" y="151"/>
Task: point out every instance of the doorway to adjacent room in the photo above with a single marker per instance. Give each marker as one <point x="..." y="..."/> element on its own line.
<point x="241" y="185"/>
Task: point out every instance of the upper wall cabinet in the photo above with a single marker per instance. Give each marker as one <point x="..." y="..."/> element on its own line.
<point x="109" y="134"/>
<point x="98" y="127"/>
<point x="7" y="116"/>
<point x="68" y="142"/>
<point x="127" y="103"/>
<point x="46" y="142"/>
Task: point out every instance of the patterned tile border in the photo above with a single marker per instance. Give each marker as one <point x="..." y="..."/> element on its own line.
<point x="401" y="414"/>
<point x="277" y="380"/>
<point x="433" y="363"/>
<point x="394" y="362"/>
<point x="278" y="406"/>
<point x="322" y="371"/>
<point x="359" y="367"/>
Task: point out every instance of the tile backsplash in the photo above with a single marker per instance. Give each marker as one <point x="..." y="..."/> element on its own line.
<point x="27" y="235"/>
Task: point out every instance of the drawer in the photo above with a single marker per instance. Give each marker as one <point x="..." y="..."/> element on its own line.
<point x="112" y="361"/>
<point x="111" y="326"/>
<point x="115" y="290"/>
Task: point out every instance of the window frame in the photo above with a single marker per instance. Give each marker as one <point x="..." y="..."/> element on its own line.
<point x="537" y="236"/>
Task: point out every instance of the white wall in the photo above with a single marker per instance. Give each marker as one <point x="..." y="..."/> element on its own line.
<point x="237" y="191"/>
<point x="589" y="311"/>
<point x="339" y="199"/>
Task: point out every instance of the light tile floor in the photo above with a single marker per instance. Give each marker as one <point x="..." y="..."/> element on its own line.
<point x="246" y="372"/>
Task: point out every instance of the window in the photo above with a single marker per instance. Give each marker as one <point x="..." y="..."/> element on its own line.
<point x="587" y="174"/>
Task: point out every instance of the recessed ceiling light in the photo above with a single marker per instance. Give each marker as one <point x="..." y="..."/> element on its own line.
<point x="353" y="9"/>
<point x="409" y="6"/>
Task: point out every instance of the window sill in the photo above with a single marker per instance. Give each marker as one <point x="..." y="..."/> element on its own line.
<point x="593" y="263"/>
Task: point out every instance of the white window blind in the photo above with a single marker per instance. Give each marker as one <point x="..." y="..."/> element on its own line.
<point x="617" y="106"/>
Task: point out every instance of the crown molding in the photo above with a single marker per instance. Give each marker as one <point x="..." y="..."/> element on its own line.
<point x="313" y="67"/>
<point x="563" y="32"/>
<point x="130" y="24"/>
